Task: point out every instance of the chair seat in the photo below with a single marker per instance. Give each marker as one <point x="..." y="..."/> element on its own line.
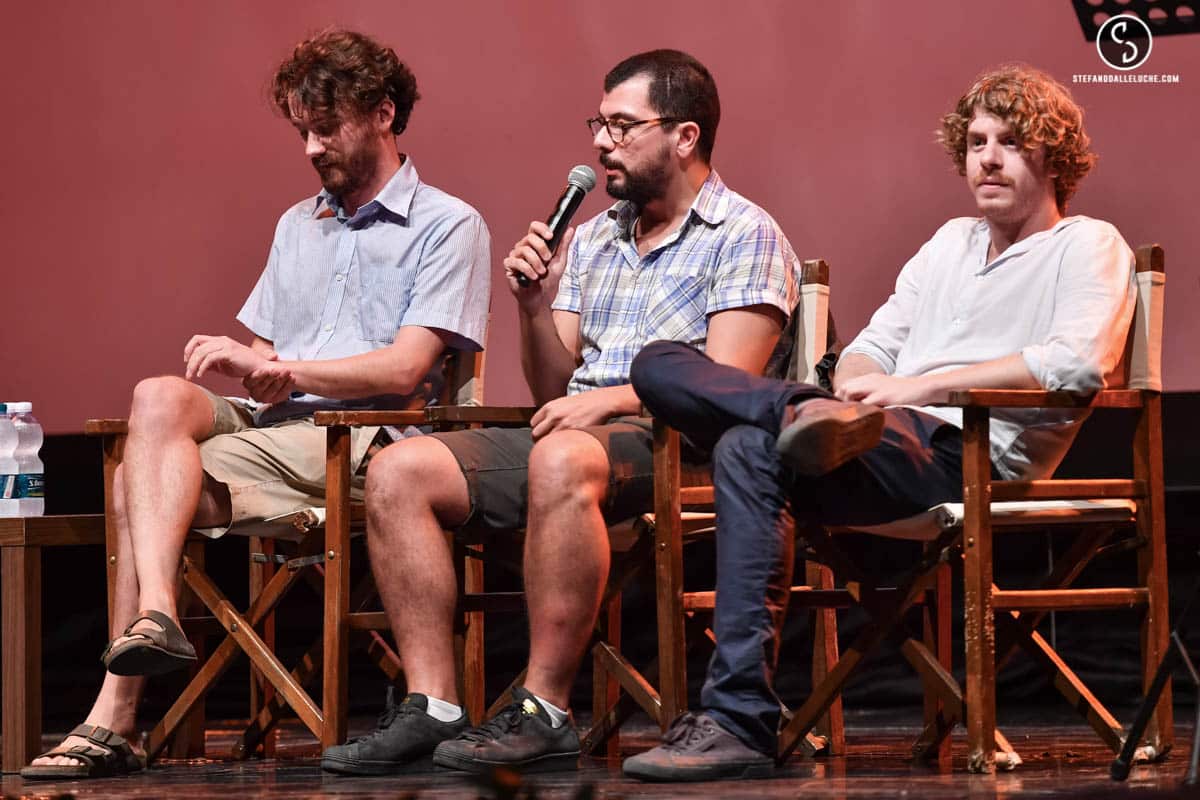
<point x="928" y="524"/>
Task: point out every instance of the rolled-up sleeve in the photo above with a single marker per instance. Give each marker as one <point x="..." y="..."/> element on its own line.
<point x="1093" y="306"/>
<point x="888" y="329"/>
<point x="756" y="267"/>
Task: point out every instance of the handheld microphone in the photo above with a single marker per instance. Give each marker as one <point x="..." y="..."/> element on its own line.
<point x="580" y="181"/>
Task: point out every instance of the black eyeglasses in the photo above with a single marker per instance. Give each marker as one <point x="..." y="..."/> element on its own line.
<point x="617" y="128"/>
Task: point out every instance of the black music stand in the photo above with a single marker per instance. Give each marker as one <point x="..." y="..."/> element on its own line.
<point x="1176" y="655"/>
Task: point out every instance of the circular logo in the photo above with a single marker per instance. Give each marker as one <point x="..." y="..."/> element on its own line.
<point x="1124" y="42"/>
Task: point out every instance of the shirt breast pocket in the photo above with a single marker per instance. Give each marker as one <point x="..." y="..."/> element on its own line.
<point x="383" y="298"/>
<point x="677" y="307"/>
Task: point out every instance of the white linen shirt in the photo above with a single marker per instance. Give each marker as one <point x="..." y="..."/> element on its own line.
<point x="1063" y="298"/>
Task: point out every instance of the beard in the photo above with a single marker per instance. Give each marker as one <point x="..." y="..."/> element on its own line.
<point x="641" y="186"/>
<point x="345" y="172"/>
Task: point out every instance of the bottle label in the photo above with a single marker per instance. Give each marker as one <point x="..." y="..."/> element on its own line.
<point x="8" y="487"/>
<point x="31" y="486"/>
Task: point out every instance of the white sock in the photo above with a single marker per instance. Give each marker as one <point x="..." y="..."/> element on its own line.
<point x="441" y="710"/>
<point x="557" y="715"/>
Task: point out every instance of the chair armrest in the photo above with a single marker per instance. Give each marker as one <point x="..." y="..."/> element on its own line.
<point x="106" y="427"/>
<point x="495" y="415"/>
<point x="1037" y="398"/>
<point x="354" y="419"/>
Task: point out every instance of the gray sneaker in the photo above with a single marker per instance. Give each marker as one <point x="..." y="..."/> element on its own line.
<point x="696" y="748"/>
<point x="519" y="738"/>
<point x="403" y="740"/>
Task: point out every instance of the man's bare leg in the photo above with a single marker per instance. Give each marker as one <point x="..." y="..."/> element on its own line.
<point x="116" y="705"/>
<point x="164" y="483"/>
<point x="414" y="490"/>
<point x="566" y="558"/>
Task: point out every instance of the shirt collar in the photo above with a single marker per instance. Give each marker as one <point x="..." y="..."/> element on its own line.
<point x="1016" y="248"/>
<point x="711" y="205"/>
<point x="395" y="197"/>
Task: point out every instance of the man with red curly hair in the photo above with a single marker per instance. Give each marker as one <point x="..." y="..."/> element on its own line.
<point x="368" y="284"/>
<point x="1020" y="297"/>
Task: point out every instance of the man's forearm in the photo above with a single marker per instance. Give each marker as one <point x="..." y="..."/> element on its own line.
<point x="854" y="365"/>
<point x="1007" y="372"/>
<point x="383" y="371"/>
<point x="544" y="360"/>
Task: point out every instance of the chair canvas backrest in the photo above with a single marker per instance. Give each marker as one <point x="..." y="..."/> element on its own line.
<point x="1143" y="348"/>
<point x="810" y="322"/>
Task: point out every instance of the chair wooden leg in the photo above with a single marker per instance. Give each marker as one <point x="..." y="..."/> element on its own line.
<point x="188" y="741"/>
<point x="21" y="583"/>
<point x="1152" y="568"/>
<point x="335" y="689"/>
<point x="472" y="658"/>
<point x="261" y="690"/>
<point x="979" y="627"/>
<point x="936" y="623"/>
<point x="668" y="564"/>
<point x="830" y="726"/>
<point x="606" y="692"/>
<point x="114" y="451"/>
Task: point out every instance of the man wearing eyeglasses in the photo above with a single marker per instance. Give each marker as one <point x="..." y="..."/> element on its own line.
<point x="679" y="256"/>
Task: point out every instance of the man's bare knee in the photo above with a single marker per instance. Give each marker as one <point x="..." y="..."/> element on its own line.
<point x="415" y="474"/>
<point x="568" y="466"/>
<point x="168" y="405"/>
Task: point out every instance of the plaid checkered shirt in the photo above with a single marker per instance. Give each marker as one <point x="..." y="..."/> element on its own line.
<point x="728" y="253"/>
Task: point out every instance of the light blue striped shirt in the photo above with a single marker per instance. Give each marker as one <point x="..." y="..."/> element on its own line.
<point x="728" y="253"/>
<point x="337" y="286"/>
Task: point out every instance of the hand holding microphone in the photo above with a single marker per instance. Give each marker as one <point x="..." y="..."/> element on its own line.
<point x="535" y="251"/>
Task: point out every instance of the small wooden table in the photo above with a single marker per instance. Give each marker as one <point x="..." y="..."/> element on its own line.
<point x="21" y="543"/>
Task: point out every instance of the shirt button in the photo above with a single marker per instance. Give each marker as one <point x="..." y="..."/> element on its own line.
<point x="328" y="328"/>
<point x="339" y="277"/>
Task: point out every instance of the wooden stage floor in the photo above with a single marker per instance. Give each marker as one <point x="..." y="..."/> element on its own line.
<point x="1060" y="761"/>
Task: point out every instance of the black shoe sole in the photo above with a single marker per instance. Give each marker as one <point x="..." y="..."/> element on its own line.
<point x="709" y="773"/>
<point x="339" y="767"/>
<point x="551" y="762"/>
<point x="147" y="660"/>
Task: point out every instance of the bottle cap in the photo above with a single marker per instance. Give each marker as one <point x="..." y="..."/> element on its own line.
<point x="20" y="408"/>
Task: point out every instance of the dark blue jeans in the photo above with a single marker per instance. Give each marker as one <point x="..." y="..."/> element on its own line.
<point x="737" y="417"/>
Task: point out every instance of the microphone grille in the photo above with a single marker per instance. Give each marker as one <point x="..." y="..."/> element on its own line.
<point x="582" y="176"/>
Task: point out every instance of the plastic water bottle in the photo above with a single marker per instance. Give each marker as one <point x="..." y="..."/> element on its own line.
<point x="9" y="505"/>
<point x="31" y="479"/>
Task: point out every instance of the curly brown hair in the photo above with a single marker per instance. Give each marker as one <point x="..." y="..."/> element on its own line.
<point x="338" y="72"/>
<point x="1042" y="113"/>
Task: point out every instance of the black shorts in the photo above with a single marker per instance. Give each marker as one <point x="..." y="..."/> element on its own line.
<point x="495" y="463"/>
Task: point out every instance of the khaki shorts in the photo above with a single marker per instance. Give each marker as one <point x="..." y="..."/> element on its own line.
<point x="495" y="463"/>
<point x="274" y="470"/>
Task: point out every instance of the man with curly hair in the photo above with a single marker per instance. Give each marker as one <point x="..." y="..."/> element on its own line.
<point x="367" y="286"/>
<point x="1019" y="297"/>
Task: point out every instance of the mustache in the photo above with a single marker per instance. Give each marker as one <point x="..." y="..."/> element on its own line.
<point x="608" y="163"/>
<point x="993" y="180"/>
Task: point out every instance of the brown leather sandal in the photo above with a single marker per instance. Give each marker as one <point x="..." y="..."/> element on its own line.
<point x="106" y="755"/>
<point x="150" y="652"/>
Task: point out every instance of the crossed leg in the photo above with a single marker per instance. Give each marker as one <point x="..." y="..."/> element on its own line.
<point x="160" y="491"/>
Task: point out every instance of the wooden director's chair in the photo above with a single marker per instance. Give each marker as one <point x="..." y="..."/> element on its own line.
<point x="998" y="622"/>
<point x="317" y="554"/>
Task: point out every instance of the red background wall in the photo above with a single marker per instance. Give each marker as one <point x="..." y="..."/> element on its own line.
<point x="143" y="168"/>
